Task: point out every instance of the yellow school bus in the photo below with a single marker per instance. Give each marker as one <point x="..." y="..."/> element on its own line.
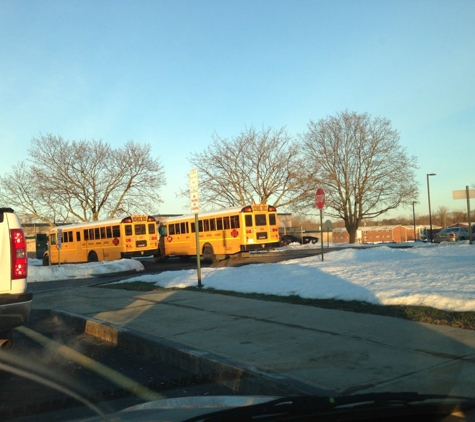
<point x="106" y="240"/>
<point x="222" y="234"/>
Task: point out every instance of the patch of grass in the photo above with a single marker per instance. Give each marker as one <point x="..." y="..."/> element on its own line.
<point x="413" y="313"/>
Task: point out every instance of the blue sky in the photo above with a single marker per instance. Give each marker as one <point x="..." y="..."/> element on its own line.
<point x="172" y="73"/>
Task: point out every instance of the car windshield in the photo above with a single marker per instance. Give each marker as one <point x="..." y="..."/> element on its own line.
<point x="228" y="203"/>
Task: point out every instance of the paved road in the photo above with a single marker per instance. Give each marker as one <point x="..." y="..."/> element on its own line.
<point x="101" y="373"/>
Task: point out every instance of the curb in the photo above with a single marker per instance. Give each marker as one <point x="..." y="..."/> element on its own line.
<point x="240" y="378"/>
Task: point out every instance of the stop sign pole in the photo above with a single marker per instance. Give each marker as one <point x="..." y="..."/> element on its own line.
<point x="320" y="203"/>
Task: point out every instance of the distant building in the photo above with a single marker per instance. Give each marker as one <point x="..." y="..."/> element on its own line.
<point x="379" y="234"/>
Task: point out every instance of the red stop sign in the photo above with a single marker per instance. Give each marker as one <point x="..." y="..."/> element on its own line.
<point x="320" y="198"/>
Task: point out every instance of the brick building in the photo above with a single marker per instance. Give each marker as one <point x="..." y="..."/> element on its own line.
<point x="378" y="234"/>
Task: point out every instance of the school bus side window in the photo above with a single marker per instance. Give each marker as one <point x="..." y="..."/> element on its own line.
<point x="103" y="232"/>
<point x="128" y="230"/>
<point x="212" y="224"/>
<point x="171" y="229"/>
<point x="97" y="234"/>
<point x="234" y="222"/>
<point x="78" y="236"/>
<point x="116" y="231"/>
<point x="53" y="238"/>
<point x="86" y="234"/>
<point x="109" y="232"/>
<point x="151" y="228"/>
<point x="184" y="227"/>
<point x="248" y="219"/>
<point x="219" y="223"/>
<point x="227" y="224"/>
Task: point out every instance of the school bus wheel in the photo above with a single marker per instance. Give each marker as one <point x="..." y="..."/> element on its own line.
<point x="92" y="257"/>
<point x="160" y="258"/>
<point x="208" y="254"/>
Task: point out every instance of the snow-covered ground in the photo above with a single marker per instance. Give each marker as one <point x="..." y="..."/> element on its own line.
<point x="441" y="276"/>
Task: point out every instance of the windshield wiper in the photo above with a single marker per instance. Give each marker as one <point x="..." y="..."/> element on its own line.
<point x="297" y="407"/>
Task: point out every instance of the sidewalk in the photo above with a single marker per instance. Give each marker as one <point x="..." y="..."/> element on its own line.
<point x="262" y="347"/>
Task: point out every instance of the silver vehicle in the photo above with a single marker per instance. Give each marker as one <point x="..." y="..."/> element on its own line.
<point x="452" y="234"/>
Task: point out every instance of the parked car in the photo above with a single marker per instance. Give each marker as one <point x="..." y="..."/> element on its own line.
<point x="452" y="234"/>
<point x="287" y="239"/>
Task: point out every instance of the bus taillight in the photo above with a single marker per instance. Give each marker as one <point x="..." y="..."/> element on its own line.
<point x="271" y="208"/>
<point x="247" y="209"/>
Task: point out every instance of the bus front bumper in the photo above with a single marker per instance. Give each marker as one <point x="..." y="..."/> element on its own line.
<point x="140" y="254"/>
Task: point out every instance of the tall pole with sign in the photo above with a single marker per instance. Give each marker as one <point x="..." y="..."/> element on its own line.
<point x="59" y="244"/>
<point x="466" y="194"/>
<point x="320" y="203"/>
<point x="195" y="209"/>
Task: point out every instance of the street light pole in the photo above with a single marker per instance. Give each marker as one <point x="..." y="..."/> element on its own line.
<point x="428" y="196"/>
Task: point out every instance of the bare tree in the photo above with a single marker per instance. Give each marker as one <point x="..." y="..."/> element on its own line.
<point x="442" y="214"/>
<point x="361" y="166"/>
<point x="458" y="216"/>
<point x="83" y="180"/>
<point x="254" y="167"/>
